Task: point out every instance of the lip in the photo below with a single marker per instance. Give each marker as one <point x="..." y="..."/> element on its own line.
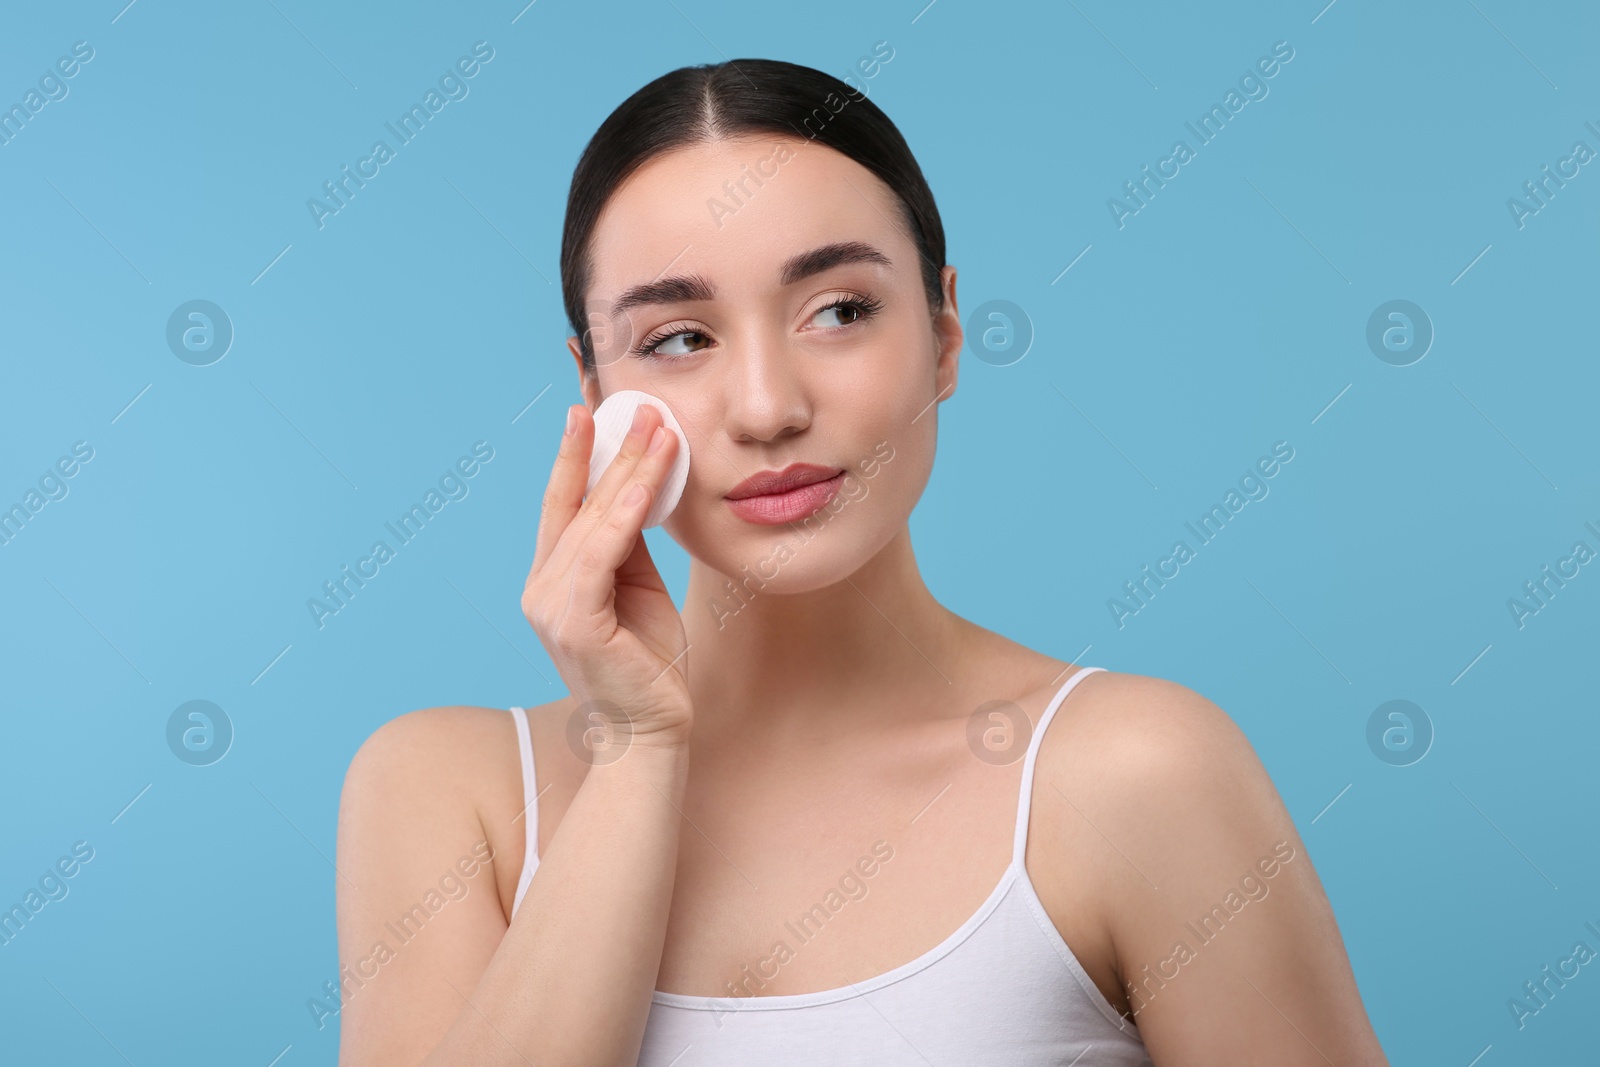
<point x="793" y="476"/>
<point x="772" y="498"/>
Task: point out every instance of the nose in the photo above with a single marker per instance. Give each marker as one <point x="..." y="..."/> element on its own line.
<point x="766" y="395"/>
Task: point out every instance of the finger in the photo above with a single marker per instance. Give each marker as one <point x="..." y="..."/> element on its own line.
<point x="620" y="469"/>
<point x="564" y="494"/>
<point x="639" y="570"/>
<point x="649" y="616"/>
<point x="593" y="511"/>
<point x="609" y="549"/>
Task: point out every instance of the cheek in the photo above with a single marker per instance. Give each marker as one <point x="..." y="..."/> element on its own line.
<point x="888" y="411"/>
<point x="886" y="388"/>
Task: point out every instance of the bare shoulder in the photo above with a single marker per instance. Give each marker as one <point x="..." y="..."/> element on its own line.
<point x="433" y="781"/>
<point x="1161" y="829"/>
<point x="431" y="743"/>
<point x="432" y="754"/>
<point x="1155" y="738"/>
<point x="428" y="838"/>
<point x="1168" y="769"/>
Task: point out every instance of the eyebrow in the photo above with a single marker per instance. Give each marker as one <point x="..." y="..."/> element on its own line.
<point x="685" y="287"/>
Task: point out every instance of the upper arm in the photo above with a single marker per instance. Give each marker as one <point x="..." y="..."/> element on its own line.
<point x="1222" y="934"/>
<point x="418" y="914"/>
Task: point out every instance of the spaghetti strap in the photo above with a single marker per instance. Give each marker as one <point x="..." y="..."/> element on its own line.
<point x="530" y="806"/>
<point x="1024" y="800"/>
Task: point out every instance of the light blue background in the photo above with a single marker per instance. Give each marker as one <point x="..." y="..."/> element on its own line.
<point x="1226" y="315"/>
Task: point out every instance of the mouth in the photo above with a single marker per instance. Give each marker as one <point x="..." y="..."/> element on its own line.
<point x="772" y="498"/>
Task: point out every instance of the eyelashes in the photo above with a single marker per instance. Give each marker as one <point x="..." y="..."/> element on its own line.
<point x="864" y="305"/>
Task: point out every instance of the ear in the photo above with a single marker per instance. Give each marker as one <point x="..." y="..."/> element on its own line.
<point x="948" y="335"/>
<point x="588" y="384"/>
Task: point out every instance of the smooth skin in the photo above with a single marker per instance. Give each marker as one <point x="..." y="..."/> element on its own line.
<point x="768" y="740"/>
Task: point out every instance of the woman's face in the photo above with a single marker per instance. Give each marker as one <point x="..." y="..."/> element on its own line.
<point x="706" y="292"/>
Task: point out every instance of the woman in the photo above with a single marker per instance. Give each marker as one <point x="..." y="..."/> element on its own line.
<point x="814" y="817"/>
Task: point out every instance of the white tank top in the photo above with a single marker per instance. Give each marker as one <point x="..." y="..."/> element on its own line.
<point x="1004" y="988"/>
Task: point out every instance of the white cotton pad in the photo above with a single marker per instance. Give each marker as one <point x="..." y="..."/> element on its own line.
<point x="611" y="423"/>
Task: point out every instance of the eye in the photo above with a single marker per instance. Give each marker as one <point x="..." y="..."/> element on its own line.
<point x="850" y="310"/>
<point x="673" y="343"/>
<point x="655" y="346"/>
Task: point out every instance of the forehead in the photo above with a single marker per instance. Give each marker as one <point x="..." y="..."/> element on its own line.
<point x="734" y="210"/>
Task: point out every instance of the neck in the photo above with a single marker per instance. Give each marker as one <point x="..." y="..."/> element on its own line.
<point x="766" y="661"/>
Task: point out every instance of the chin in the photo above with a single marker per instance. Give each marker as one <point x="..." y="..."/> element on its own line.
<point x="786" y="560"/>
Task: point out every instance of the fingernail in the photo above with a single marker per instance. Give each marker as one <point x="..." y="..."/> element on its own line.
<point x="657" y="439"/>
<point x="635" y="495"/>
<point x="572" y="419"/>
<point x="638" y="420"/>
